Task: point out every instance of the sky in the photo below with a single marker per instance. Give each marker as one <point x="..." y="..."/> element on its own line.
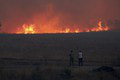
<point x="56" y="13"/>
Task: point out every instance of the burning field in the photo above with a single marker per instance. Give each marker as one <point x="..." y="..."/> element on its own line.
<point x="37" y="36"/>
<point x="49" y="29"/>
<point x="32" y="29"/>
<point x="39" y="16"/>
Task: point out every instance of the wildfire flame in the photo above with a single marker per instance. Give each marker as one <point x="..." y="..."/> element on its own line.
<point x="99" y="28"/>
<point x="27" y="29"/>
<point x="67" y="30"/>
<point x="31" y="29"/>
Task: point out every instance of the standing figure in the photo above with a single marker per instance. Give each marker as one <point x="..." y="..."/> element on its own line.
<point x="71" y="59"/>
<point x="80" y="58"/>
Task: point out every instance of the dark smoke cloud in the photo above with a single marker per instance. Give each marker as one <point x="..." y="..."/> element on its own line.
<point x="14" y="13"/>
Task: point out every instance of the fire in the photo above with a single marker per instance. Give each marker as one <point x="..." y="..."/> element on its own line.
<point x="77" y="31"/>
<point x="99" y="28"/>
<point x="27" y="29"/>
<point x="31" y="29"/>
<point x="67" y="30"/>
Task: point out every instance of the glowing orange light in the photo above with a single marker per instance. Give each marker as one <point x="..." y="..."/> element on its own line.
<point x="67" y="30"/>
<point x="32" y="29"/>
<point x="77" y="31"/>
<point x="99" y="28"/>
<point x="29" y="29"/>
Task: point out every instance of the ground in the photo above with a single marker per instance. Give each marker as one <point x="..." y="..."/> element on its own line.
<point x="52" y="50"/>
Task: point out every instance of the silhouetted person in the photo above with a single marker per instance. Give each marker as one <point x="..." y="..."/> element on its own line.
<point x="80" y="58"/>
<point x="71" y="59"/>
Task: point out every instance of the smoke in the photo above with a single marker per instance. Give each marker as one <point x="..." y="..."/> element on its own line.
<point x="52" y="14"/>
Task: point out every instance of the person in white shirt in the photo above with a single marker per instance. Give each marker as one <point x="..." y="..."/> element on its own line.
<point x="80" y="58"/>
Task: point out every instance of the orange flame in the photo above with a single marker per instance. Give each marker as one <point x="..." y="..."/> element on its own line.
<point x="31" y="29"/>
<point x="67" y="30"/>
<point x="27" y="29"/>
<point x="99" y="28"/>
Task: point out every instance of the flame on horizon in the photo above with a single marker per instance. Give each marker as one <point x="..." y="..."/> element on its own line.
<point x="27" y="29"/>
<point x="99" y="28"/>
<point x="32" y="29"/>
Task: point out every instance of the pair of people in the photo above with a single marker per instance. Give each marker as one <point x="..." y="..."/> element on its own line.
<point x="80" y="58"/>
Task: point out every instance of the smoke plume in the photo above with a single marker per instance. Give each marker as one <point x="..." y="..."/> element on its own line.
<point x="57" y="14"/>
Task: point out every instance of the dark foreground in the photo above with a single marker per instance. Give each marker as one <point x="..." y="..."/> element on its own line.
<point x="45" y="56"/>
<point x="101" y="48"/>
<point x="60" y="73"/>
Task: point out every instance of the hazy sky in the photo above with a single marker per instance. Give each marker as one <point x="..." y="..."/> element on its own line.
<point x="14" y="13"/>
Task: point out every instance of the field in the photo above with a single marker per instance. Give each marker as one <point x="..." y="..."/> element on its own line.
<point x="52" y="50"/>
<point x="100" y="47"/>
